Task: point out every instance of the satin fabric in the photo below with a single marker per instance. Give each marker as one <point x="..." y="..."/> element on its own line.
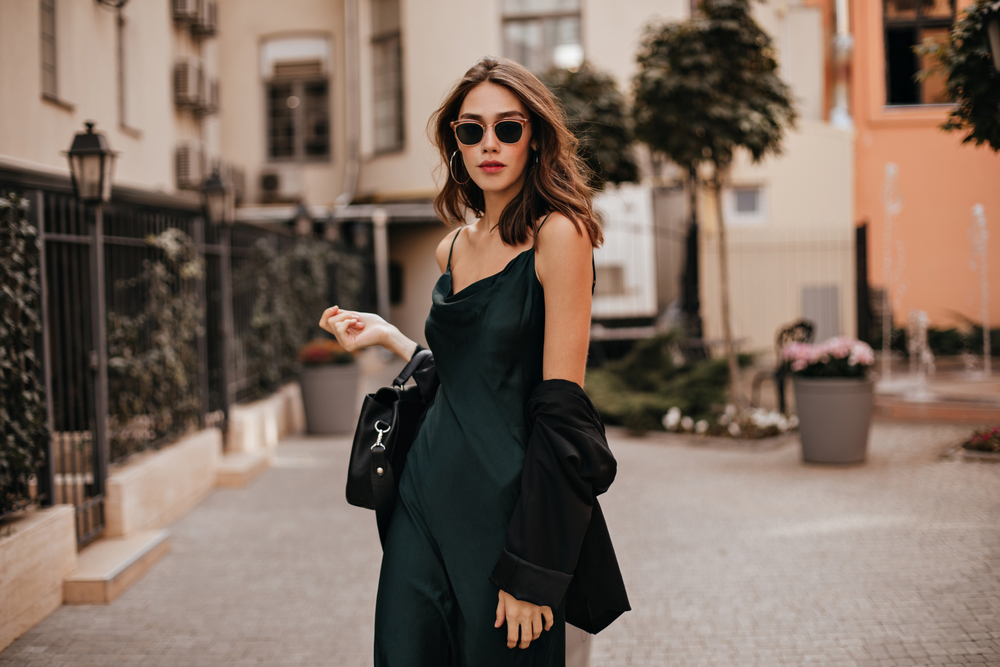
<point x="436" y="604"/>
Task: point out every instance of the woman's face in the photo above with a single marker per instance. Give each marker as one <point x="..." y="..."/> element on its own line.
<point x="496" y="167"/>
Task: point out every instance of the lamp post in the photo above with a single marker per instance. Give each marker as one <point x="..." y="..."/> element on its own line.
<point x="220" y="207"/>
<point x="220" y="202"/>
<point x="91" y="166"/>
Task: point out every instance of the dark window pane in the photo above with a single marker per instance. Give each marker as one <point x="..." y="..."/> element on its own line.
<point x="281" y="120"/>
<point x="902" y="65"/>
<point x="48" y="39"/>
<point x="316" y="120"/>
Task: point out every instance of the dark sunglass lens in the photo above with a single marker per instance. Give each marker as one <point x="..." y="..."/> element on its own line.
<point x="469" y="134"/>
<point x="508" y="131"/>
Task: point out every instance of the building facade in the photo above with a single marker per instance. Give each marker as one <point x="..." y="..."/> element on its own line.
<point x="917" y="185"/>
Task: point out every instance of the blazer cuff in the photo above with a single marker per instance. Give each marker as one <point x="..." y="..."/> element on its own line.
<point x="530" y="583"/>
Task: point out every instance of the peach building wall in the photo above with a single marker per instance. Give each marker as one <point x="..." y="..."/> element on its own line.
<point x="940" y="179"/>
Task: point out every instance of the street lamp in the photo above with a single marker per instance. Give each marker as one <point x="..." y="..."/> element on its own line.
<point x="219" y="200"/>
<point x="91" y="165"/>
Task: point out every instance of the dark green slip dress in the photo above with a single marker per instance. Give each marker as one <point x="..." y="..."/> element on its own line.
<point x="436" y="606"/>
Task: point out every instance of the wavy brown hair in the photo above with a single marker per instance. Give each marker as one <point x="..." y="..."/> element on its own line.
<point x="557" y="183"/>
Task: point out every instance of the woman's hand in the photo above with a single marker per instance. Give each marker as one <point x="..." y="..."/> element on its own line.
<point x="524" y="617"/>
<point x="355" y="330"/>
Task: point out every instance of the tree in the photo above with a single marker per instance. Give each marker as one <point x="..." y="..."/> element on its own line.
<point x="705" y="88"/>
<point x="598" y="116"/>
<point x="972" y="78"/>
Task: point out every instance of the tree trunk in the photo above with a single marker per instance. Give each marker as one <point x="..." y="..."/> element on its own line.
<point x="735" y="387"/>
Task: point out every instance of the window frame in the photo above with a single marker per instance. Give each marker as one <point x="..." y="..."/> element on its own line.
<point x="507" y="18"/>
<point x="48" y="6"/>
<point x="917" y="23"/>
<point x="299" y="155"/>
<point x="378" y="39"/>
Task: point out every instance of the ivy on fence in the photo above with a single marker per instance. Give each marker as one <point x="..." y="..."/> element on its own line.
<point x="23" y="429"/>
<point x="292" y="288"/>
<point x="152" y="355"/>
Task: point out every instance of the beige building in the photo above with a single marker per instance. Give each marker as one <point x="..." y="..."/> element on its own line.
<point x="325" y="103"/>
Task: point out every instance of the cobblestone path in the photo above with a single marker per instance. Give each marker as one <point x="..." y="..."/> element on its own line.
<point x="732" y="556"/>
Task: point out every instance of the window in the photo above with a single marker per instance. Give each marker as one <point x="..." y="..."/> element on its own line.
<point x="49" y="48"/>
<point x="908" y="23"/>
<point x="744" y="205"/>
<point x="387" y="76"/>
<point x="297" y="98"/>
<point x="541" y="34"/>
<point x="298" y="120"/>
<point x="610" y="280"/>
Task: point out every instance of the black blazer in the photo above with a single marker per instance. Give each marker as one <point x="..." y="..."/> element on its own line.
<point x="557" y="540"/>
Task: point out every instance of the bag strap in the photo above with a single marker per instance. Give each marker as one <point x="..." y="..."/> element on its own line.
<point x="415" y="362"/>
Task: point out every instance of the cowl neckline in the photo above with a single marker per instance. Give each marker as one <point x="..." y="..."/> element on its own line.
<point x="483" y="283"/>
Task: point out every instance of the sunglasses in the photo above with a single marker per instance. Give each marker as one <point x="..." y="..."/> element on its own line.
<point x="470" y="132"/>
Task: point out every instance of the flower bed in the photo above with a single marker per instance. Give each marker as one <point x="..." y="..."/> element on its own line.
<point x="987" y="440"/>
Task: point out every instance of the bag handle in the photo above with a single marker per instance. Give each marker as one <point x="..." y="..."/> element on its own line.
<point x="416" y="361"/>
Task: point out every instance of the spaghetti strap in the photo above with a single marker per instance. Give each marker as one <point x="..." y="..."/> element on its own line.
<point x="543" y="222"/>
<point x="453" y="239"/>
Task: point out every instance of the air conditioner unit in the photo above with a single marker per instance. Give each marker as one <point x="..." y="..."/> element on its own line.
<point x="188" y="82"/>
<point x="206" y="22"/>
<point x="185" y="10"/>
<point x="280" y="184"/>
<point x="210" y="98"/>
<point x="190" y="166"/>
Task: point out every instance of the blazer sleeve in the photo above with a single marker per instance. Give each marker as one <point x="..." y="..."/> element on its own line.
<point x="567" y="464"/>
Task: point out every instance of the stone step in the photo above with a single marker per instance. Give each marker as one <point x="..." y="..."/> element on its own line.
<point x="105" y="568"/>
<point x="238" y="469"/>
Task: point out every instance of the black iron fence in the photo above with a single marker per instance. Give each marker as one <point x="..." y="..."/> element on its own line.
<point x="153" y="325"/>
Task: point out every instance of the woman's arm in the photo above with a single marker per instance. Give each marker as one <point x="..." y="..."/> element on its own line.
<point x="355" y="331"/>
<point x="563" y="262"/>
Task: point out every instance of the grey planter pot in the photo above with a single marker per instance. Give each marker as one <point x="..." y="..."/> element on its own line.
<point x="330" y="397"/>
<point x="834" y="418"/>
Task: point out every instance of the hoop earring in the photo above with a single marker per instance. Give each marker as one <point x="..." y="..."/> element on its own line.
<point x="451" y="169"/>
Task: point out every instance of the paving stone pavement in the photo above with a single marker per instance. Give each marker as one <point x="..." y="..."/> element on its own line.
<point x="733" y="555"/>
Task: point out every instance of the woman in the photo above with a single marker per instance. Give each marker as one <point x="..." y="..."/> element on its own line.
<point x="511" y="310"/>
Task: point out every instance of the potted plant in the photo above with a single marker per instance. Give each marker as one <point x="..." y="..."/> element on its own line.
<point x="834" y="398"/>
<point x="330" y="383"/>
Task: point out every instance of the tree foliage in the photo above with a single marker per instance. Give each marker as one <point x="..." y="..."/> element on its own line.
<point x="972" y="79"/>
<point x="705" y="88"/>
<point x="23" y="430"/>
<point x="599" y="117"/>
<point x="709" y="85"/>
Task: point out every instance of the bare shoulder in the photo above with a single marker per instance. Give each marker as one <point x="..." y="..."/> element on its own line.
<point x="563" y="250"/>
<point x="444" y="247"/>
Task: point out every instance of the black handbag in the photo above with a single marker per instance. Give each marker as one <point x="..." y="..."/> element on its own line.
<point x="386" y="427"/>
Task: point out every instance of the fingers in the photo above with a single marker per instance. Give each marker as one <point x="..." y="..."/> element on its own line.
<point x="547" y="617"/>
<point x="525" y="627"/>
<point x="536" y="628"/>
<point x="501" y="615"/>
<point x="511" y="634"/>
